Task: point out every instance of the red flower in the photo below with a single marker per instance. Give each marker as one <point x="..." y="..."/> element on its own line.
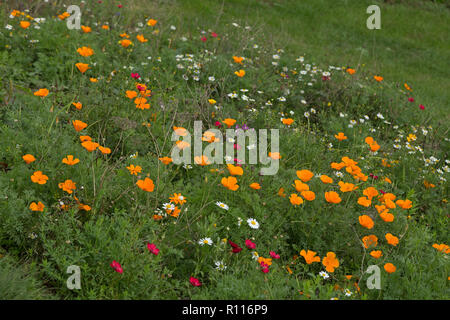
<point x="135" y="75"/>
<point x="116" y="266"/>
<point x="264" y="267"/>
<point x="120" y="6"/>
<point x="152" y="248"/>
<point x="274" y="255"/>
<point x="250" y="244"/>
<point x="217" y="124"/>
<point x="203" y="39"/>
<point x="236" y="248"/>
<point x="421" y="106"/>
<point x="213" y="34"/>
<point x="411" y="99"/>
<point x="195" y="282"/>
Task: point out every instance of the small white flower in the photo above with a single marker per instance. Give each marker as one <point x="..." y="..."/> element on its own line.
<point x="253" y="223"/>
<point x="211" y="78"/>
<point x="168" y="206"/>
<point x="222" y="205"/>
<point x="380" y="116"/>
<point x="255" y="255"/>
<point x="339" y="174"/>
<point x="220" y="265"/>
<point x="173" y="28"/>
<point x="324" y="275"/>
<point x="347" y="292"/>
<point x="204" y="241"/>
<point x="9" y="27"/>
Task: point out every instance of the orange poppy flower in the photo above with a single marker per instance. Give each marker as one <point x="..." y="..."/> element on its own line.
<point x="104" y="150"/>
<point x="387" y="216"/>
<point x="125" y="43"/>
<point x="295" y="199"/>
<point x="180" y="131"/>
<point x="337" y="166"/>
<point x="67" y="186"/>
<point x="389" y="267"/>
<point x="281" y="192"/>
<point x="77" y="105"/>
<point x="134" y="169"/>
<point x="364" y="201"/>
<point x="305" y="175"/>
<point x="240" y="73"/>
<point x="300" y="186"/>
<point x="229" y="122"/>
<point x="85" y="138"/>
<point x="442" y="248"/>
<point x="238" y="59"/>
<point x="202" y="160"/>
<point x="24" y="24"/>
<point x="230" y="183"/>
<point x="376" y="253"/>
<point x="370" y="240"/>
<point x="79" y="125"/>
<point x="350" y="71"/>
<point x="308" y="195"/>
<point x="255" y="186"/>
<point x="141" y="38"/>
<point x="330" y="261"/>
<point x="85" y="51"/>
<point x="326" y="179"/>
<point x="39" y="178"/>
<point x="177" y="198"/>
<point x="340" y="136"/>
<point x="275" y="155"/>
<point x="82" y="67"/>
<point x="346" y="187"/>
<point x="288" y="121"/>
<point x="37" y="206"/>
<point x="391" y="239"/>
<point x="86" y="29"/>
<point x="370" y="192"/>
<point x="131" y="94"/>
<point x="404" y="204"/>
<point x="89" y="145"/>
<point x="64" y="15"/>
<point x="105" y="27"/>
<point x="69" y="160"/>
<point x="152" y="22"/>
<point x="310" y="256"/>
<point x="165" y="160"/>
<point x="28" y="158"/>
<point x="235" y="170"/>
<point x="378" y="78"/>
<point x="332" y="197"/>
<point x="182" y="144"/>
<point x="146" y="184"/>
<point x="366" y="221"/>
<point x="41" y="92"/>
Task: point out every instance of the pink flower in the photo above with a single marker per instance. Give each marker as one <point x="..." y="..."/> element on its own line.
<point x="236" y="146"/>
<point x="411" y="99"/>
<point x="195" y="282"/>
<point x="116" y="266"/>
<point x="217" y="124"/>
<point x="152" y="248"/>
<point x="381" y="191"/>
<point x="274" y="255"/>
<point x="203" y="39"/>
<point x="250" y="244"/>
<point x="140" y="88"/>
<point x="421" y="106"/>
<point x="135" y="75"/>
<point x="264" y="267"/>
<point x="213" y="34"/>
<point x="120" y="6"/>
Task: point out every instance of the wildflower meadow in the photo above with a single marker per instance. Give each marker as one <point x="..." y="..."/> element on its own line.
<point x="189" y="151"/>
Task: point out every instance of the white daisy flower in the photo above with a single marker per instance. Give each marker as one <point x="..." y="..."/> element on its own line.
<point x="255" y="255"/>
<point x="347" y="292"/>
<point x="253" y="223"/>
<point x="204" y="241"/>
<point x="220" y="265"/>
<point x="222" y="205"/>
<point x="324" y="275"/>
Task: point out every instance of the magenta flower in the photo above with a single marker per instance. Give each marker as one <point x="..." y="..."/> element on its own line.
<point x="274" y="255"/>
<point x="120" y="6"/>
<point x="236" y="248"/>
<point x="152" y="248"/>
<point x="411" y="99"/>
<point x="135" y="75"/>
<point x="217" y="124"/>
<point x="421" y="106"/>
<point x="195" y="282"/>
<point x="203" y="39"/>
<point x="250" y="244"/>
<point x="116" y="266"/>
<point x="213" y="34"/>
<point x="264" y="267"/>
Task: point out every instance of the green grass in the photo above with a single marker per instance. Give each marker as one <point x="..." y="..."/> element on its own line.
<point x="412" y="46"/>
